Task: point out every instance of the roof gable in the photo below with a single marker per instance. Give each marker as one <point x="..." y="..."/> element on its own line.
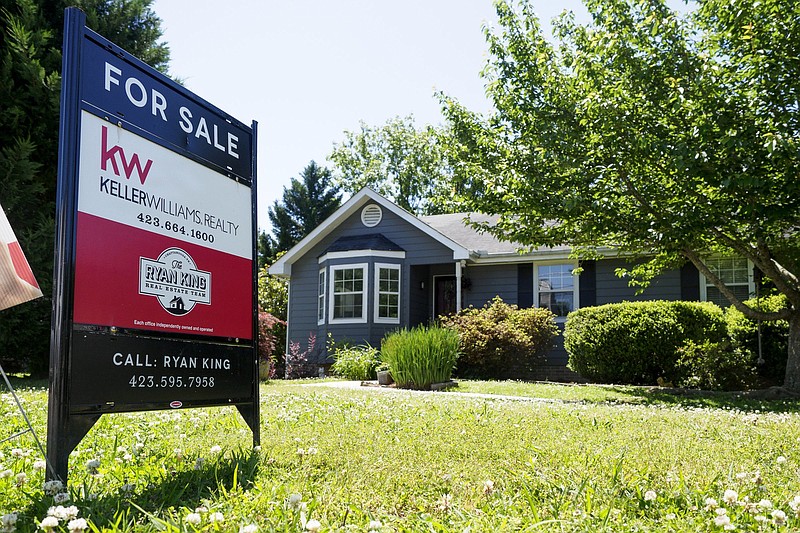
<point x="283" y="266"/>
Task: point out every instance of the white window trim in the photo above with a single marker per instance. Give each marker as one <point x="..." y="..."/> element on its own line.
<point x="364" y="299"/>
<point x="321" y="320"/>
<point x="575" y="289"/>
<point x="704" y="282"/>
<point x="376" y="293"/>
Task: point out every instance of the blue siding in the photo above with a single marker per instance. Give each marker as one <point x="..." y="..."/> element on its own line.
<point x="613" y="289"/>
<point x="489" y="281"/>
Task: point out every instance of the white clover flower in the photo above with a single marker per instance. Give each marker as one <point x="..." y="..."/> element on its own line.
<point x="53" y="487"/>
<point x="93" y="464"/>
<point x="722" y="520"/>
<point x="374" y="525"/>
<point x="193" y="519"/>
<point x="216" y="518"/>
<point x="61" y="497"/>
<point x="77" y="525"/>
<point x="9" y="522"/>
<point x="252" y="528"/>
<point x="312" y="451"/>
<point x="48" y="523"/>
<point x="742" y="475"/>
<point x="39" y="465"/>
<point x="295" y="500"/>
<point x="201" y="509"/>
<point x="6" y="473"/>
<point x="670" y="516"/>
<point x="178" y="454"/>
<point x="730" y="496"/>
<point x="765" y="504"/>
<point x="59" y="512"/>
<point x="757" y="479"/>
<point x="127" y="458"/>
<point x="256" y="449"/>
<point x="16" y="452"/>
<point x="488" y="486"/>
<point x="780" y="460"/>
<point x="721" y="511"/>
<point x="711" y="504"/>
<point x="650" y="496"/>
<point x="779" y="517"/>
<point x="216" y="449"/>
<point x="794" y="505"/>
<point x="313" y="526"/>
<point x="445" y="502"/>
<point x="21" y="479"/>
<point x="71" y="512"/>
<point x="138" y="446"/>
<point x="760" y="518"/>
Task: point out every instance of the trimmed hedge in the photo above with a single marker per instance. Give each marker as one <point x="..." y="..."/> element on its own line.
<point x="500" y="340"/>
<point x="743" y="333"/>
<point x="637" y="342"/>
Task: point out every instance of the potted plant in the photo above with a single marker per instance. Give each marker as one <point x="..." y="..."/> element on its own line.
<point x="384" y="375"/>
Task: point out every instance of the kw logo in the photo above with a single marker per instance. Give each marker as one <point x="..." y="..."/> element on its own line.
<point x="107" y="155"/>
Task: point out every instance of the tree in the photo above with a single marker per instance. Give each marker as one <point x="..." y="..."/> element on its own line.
<point x="403" y="163"/>
<point x="304" y="205"/>
<point x="670" y="137"/>
<point x="30" y="63"/>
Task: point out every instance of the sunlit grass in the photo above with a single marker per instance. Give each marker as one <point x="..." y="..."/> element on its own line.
<point x="417" y="462"/>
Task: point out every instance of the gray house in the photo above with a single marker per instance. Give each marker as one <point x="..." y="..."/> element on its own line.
<point x="373" y="267"/>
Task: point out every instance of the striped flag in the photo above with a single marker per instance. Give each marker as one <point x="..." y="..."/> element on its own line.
<point x="17" y="284"/>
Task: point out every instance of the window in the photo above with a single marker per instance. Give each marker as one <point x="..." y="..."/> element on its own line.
<point x="735" y="272"/>
<point x="387" y="293"/>
<point x="556" y="288"/>
<point x="348" y="293"/>
<point x="321" y="298"/>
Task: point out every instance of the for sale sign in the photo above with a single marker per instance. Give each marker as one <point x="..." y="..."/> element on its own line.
<point x="154" y="284"/>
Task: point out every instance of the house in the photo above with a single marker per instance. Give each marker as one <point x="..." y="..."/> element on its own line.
<point x="372" y="267"/>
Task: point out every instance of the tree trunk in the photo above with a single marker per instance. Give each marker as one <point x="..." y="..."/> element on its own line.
<point x="792" y="380"/>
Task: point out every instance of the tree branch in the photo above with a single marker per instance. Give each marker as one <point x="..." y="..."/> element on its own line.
<point x="737" y="303"/>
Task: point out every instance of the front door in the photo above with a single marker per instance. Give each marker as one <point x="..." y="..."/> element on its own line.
<point x="444" y="295"/>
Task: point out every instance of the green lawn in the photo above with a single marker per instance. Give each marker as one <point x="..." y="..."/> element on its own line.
<point x="421" y="462"/>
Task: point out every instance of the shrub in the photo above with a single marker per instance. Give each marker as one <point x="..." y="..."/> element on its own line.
<point x="356" y="362"/>
<point x="420" y="356"/>
<point x="267" y="340"/>
<point x="297" y="365"/>
<point x="743" y="333"/>
<point x="637" y="342"/>
<point x="714" y="366"/>
<point x="500" y="340"/>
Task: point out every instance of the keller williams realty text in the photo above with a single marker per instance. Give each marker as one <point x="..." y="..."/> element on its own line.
<point x="159" y="203"/>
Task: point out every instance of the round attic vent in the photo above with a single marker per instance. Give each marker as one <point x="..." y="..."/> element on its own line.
<point x="371" y="215"/>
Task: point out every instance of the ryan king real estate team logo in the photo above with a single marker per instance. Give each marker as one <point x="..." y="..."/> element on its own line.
<point x="174" y="279"/>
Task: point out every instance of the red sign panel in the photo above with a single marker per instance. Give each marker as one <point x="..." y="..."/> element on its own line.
<point x="163" y="243"/>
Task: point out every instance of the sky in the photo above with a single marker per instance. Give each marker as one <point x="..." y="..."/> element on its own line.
<point x="309" y="70"/>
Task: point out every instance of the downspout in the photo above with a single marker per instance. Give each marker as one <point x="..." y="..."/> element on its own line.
<point x="459" y="266"/>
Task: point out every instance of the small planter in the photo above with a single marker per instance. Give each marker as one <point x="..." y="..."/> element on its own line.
<point x="385" y="377"/>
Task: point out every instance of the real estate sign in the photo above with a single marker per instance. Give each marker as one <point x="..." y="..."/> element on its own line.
<point x="155" y="271"/>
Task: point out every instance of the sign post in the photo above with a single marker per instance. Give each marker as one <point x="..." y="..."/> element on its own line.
<point x="154" y="280"/>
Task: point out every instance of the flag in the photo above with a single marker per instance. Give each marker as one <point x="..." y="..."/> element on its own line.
<point x="17" y="284"/>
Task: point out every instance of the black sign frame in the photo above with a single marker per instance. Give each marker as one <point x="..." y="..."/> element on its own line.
<point x="170" y="370"/>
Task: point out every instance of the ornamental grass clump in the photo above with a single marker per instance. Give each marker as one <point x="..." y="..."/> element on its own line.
<point x="420" y="356"/>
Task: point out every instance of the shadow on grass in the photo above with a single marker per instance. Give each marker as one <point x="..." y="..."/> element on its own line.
<point x="161" y="503"/>
<point x="768" y="400"/>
